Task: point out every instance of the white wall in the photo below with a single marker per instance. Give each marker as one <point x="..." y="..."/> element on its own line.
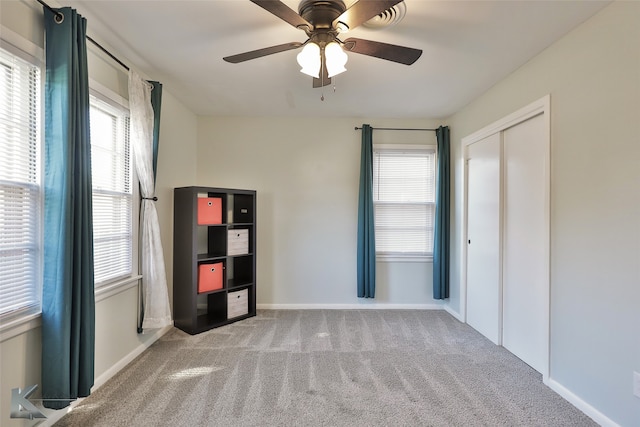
<point x="593" y="76"/>
<point x="176" y="160"/>
<point x="306" y="173"/>
<point x="116" y="315"/>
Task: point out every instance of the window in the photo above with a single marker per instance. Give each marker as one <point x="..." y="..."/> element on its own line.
<point x="404" y="200"/>
<point x="112" y="191"/>
<point x="20" y="186"/>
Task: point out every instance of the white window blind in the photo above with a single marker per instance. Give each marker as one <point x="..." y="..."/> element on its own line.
<point x="20" y="190"/>
<point x="404" y="200"/>
<point x="112" y="192"/>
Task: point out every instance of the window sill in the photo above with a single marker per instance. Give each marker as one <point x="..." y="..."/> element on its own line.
<point x="19" y="325"/>
<point x="114" y="288"/>
<point x="404" y="258"/>
<point x="24" y="323"/>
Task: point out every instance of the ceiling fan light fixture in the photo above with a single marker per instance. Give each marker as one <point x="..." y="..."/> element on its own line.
<point x="309" y="59"/>
<point x="335" y="58"/>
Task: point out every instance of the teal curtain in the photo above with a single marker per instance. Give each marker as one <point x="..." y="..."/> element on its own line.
<point x="441" y="225"/>
<point x="156" y="104"/>
<point x="366" y="231"/>
<point x="68" y="300"/>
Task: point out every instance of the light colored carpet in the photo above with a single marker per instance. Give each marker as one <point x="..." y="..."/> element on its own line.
<point x="328" y="368"/>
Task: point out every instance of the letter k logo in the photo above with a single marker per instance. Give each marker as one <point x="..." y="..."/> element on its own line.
<point x="21" y="407"/>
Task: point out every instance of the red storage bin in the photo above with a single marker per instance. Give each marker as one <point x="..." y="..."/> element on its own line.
<point x="210" y="277"/>
<point x="209" y="210"/>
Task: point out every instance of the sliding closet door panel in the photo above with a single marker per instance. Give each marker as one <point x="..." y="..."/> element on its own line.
<point x="483" y="237"/>
<point x="525" y="275"/>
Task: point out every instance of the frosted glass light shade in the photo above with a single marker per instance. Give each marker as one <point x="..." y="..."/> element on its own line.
<point x="309" y="59"/>
<point x="335" y="59"/>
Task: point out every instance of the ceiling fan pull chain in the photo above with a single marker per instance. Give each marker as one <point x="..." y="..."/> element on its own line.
<point x="322" y="80"/>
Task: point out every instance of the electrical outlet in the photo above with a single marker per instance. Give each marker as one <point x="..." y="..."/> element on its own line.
<point x="636" y="384"/>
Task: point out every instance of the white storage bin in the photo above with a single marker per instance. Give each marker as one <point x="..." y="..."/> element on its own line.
<point x="237" y="303"/>
<point x="238" y="242"/>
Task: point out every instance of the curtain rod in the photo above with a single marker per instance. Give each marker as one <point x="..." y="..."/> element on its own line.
<point x="98" y="45"/>
<point x="419" y="129"/>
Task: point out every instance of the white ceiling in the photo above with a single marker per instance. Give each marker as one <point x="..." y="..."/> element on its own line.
<point x="468" y="46"/>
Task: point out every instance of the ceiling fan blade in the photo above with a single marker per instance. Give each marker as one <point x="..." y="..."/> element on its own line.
<point x="390" y="52"/>
<point x="284" y="12"/>
<point x="241" y="57"/>
<point x="361" y="11"/>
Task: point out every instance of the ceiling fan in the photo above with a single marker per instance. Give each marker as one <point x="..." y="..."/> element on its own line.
<point x="323" y="54"/>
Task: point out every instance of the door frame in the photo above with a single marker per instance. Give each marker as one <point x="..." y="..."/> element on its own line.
<point x="540" y="106"/>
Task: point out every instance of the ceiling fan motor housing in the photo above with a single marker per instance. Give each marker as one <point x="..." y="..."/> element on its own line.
<point x="321" y="13"/>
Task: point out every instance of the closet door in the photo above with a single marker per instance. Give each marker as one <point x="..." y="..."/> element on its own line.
<point x="483" y="237"/>
<point x="525" y="245"/>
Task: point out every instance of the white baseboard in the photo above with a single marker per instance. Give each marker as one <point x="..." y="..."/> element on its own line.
<point x="155" y="336"/>
<point x="454" y="313"/>
<point x="576" y="401"/>
<point x="54" y="416"/>
<point x="363" y="306"/>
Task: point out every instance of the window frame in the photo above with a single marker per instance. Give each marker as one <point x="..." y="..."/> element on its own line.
<point x="22" y="320"/>
<point x="119" y="284"/>
<point x="398" y="256"/>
